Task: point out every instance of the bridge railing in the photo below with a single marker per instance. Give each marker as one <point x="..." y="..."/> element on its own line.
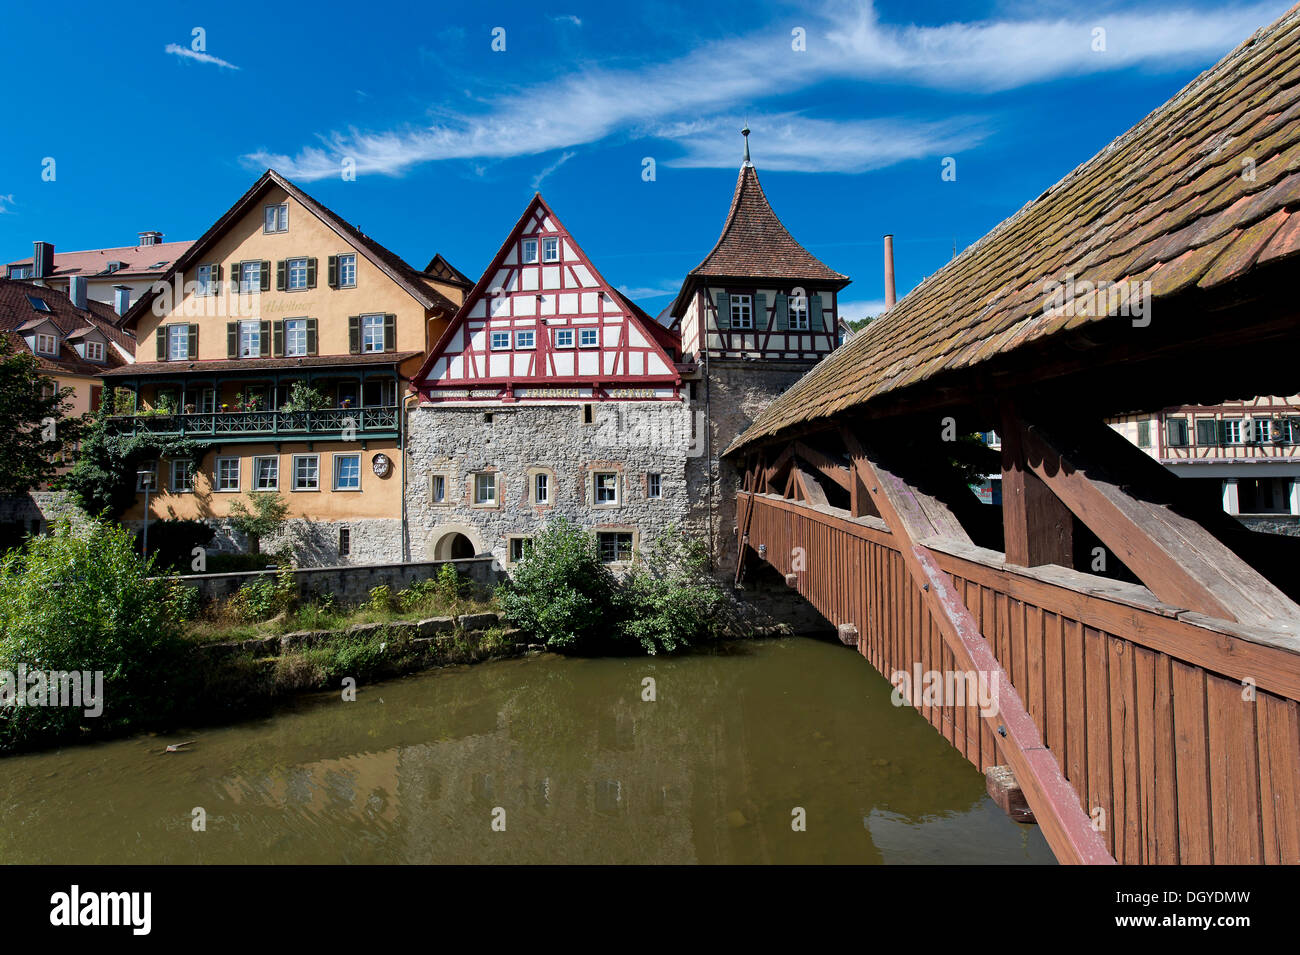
<point x="1179" y="733"/>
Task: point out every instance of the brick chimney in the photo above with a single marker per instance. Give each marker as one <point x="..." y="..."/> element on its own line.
<point x="42" y="260"/>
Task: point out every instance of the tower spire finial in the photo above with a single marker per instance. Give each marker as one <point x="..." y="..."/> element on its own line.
<point x="745" y="132"/>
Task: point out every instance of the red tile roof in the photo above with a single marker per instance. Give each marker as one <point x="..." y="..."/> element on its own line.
<point x="1167" y="202"/>
<point x="17" y="311"/>
<point x="136" y="260"/>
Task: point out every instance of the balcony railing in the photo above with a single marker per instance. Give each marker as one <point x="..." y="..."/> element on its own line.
<point x="342" y="421"/>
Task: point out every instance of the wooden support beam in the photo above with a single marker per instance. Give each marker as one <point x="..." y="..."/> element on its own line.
<point x="812" y="491"/>
<point x="826" y="465"/>
<point x="1056" y="805"/>
<point x="774" y="469"/>
<point x="1175" y="556"/>
<point x="1037" y="528"/>
<point x="929" y="513"/>
<point x="860" y="503"/>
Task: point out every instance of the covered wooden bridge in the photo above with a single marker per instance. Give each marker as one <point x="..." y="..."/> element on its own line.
<point x="1146" y="645"/>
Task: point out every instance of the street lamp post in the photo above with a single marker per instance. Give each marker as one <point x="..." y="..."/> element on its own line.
<point x="146" y="481"/>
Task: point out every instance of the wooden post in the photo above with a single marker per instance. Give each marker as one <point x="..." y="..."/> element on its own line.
<point x="1037" y="528"/>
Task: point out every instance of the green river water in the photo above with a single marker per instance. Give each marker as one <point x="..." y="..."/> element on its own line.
<point x="563" y="751"/>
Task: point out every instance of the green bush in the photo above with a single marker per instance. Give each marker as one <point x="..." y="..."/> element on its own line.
<point x="264" y="598"/>
<point x="561" y="592"/>
<point x="381" y="599"/>
<point x="87" y="603"/>
<point x="234" y="563"/>
<point x="669" y="600"/>
<point x="442" y="593"/>
<point x="183" y="601"/>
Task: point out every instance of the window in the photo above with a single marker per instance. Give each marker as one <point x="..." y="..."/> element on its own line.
<point x="178" y="342"/>
<point x="347" y="472"/>
<point x="277" y="218"/>
<point x="250" y="276"/>
<point x="146" y="475"/>
<point x="227" y="474"/>
<point x="372" y="333"/>
<point x="1231" y="430"/>
<point x="500" y="340"/>
<point x="295" y="337"/>
<point x="1263" y="430"/>
<point x="297" y="274"/>
<point x="742" y="311"/>
<point x="306" y="472"/>
<point x="529" y="253"/>
<point x="588" y="337"/>
<point x="20" y="271"/>
<point x="485" y="488"/>
<point x="654" y="485"/>
<point x="47" y="344"/>
<point x="207" y="400"/>
<point x="541" y="489"/>
<point x="345" y="541"/>
<point x="437" y="489"/>
<point x="519" y="548"/>
<point x="1144" y="433"/>
<point x="615" y="546"/>
<point x="606" y="484"/>
<point x="38" y="303"/>
<point x="182" y="476"/>
<point x="525" y="339"/>
<point x="1176" y="432"/>
<point x="564" y="338"/>
<point x="94" y="351"/>
<point x="206" y="281"/>
<point x="250" y="339"/>
<point x="799" y="313"/>
<point x="347" y="271"/>
<point x="588" y="414"/>
<point x="266" y="474"/>
<point x="1207" y="432"/>
<point x="551" y="250"/>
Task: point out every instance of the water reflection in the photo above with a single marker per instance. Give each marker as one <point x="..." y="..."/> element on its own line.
<point x="563" y="751"/>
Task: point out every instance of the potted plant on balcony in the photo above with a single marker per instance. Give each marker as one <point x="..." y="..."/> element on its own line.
<point x="302" y="400"/>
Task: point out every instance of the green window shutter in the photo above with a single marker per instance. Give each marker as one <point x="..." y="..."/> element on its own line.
<point x="236" y="277"/>
<point x="760" y="311"/>
<point x="311" y="336"/>
<point x="311" y="273"/>
<point x="215" y="284"/>
<point x="332" y="269"/>
<point x="266" y="276"/>
<point x="354" y="334"/>
<point x="232" y="339"/>
<point x="162" y="342"/>
<point x="781" y="314"/>
<point x="816" y="316"/>
<point x="724" y="310"/>
<point x="1207" y="432"/>
<point x="264" y="339"/>
<point x="277" y="339"/>
<point x="194" y="341"/>
<point x="279" y="276"/>
<point x="390" y="333"/>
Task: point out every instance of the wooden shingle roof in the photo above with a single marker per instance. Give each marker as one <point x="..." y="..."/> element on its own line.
<point x="1202" y="191"/>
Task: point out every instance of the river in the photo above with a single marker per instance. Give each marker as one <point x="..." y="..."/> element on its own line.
<point x="562" y="752"/>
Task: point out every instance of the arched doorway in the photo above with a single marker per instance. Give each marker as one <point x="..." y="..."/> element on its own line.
<point x="453" y="543"/>
<point x="458" y="547"/>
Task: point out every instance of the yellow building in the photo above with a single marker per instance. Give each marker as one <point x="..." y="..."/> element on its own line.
<point x="285" y="339"/>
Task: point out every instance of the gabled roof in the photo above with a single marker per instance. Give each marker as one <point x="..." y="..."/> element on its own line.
<point x="18" y="315"/>
<point x="136" y="260"/>
<point x="755" y="244"/>
<point x="1167" y="202"/>
<point x="440" y="268"/>
<point x="412" y="281"/>
<point x="662" y="338"/>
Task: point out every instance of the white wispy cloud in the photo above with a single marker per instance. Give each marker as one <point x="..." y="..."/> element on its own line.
<point x="846" y="41"/>
<point x="6" y="204"/>
<point x="186" y="53"/>
<point x="541" y="176"/>
<point x="650" y="291"/>
<point x="853" y="311"/>
<point x="567" y="18"/>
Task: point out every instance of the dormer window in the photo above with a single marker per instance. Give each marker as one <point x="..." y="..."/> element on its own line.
<point x="529" y="251"/>
<point x="94" y="351"/>
<point x="114" y="266"/>
<point x="38" y="303"/>
<point x="277" y="218"/>
<point x="20" y="271"/>
<point x="551" y="250"/>
<point x="46" y="344"/>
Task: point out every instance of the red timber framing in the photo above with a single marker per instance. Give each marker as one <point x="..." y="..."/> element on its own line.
<point x="1152" y="722"/>
<point x="543" y="324"/>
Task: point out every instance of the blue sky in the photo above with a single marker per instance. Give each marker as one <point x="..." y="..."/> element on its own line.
<point x="449" y="137"/>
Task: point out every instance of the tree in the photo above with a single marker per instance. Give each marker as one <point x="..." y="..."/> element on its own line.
<point x="267" y="516"/>
<point x="31" y="420"/>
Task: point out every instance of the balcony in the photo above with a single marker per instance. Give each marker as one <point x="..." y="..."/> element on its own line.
<point x="343" y="423"/>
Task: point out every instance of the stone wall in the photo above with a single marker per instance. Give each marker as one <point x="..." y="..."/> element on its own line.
<point x="350" y="584"/>
<point x="733" y="394"/>
<point x="315" y="543"/>
<point x="1285" y="524"/>
<point x="516" y="442"/>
